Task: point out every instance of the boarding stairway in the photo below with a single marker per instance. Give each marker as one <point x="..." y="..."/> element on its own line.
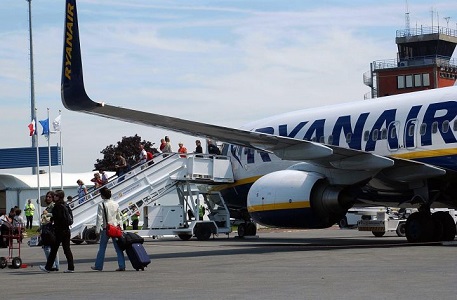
<point x="146" y="183"/>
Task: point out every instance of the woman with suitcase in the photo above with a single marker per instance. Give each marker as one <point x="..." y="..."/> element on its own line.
<point x="108" y="212"/>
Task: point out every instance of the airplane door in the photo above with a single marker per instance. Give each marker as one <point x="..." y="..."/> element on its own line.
<point x="393" y="136"/>
<point x="410" y="134"/>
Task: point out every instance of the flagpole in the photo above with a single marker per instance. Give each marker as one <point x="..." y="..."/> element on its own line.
<point x="49" y="154"/>
<point x="61" y="154"/>
<point x="37" y="167"/>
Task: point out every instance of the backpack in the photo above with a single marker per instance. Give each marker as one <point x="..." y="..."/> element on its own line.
<point x="68" y="216"/>
<point x="149" y="156"/>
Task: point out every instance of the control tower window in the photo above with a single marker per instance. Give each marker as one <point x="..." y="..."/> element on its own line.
<point x="409" y="81"/>
<point x="401" y="82"/>
<point x="426" y="79"/>
<point x="417" y="80"/>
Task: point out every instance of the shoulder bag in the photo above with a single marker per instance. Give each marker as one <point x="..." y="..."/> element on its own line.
<point x="111" y="230"/>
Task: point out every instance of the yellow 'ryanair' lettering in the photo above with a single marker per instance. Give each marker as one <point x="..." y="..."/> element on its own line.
<point x="68" y="40"/>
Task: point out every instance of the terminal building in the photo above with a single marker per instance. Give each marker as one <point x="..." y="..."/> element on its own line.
<point x="424" y="61"/>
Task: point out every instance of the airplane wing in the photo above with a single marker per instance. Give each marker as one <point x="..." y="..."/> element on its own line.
<point x="74" y="98"/>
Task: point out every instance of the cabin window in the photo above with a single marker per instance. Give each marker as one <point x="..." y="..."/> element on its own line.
<point x="348" y="137"/>
<point x="455" y="125"/>
<point x="366" y="135"/>
<point x="384" y="134"/>
<point x="426" y="79"/>
<point x="322" y="139"/>
<point x="330" y="139"/>
<point x="445" y="126"/>
<point x="435" y="127"/>
<point x="423" y="128"/>
<point x="375" y="135"/>
<point x="313" y="139"/>
<point x="393" y="132"/>
<point x="411" y="128"/>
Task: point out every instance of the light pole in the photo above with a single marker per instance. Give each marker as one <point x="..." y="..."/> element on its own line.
<point x="32" y="86"/>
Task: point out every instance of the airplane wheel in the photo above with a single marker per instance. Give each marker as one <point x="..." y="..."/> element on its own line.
<point x="185" y="236"/>
<point x="16" y="263"/>
<point x="419" y="228"/>
<point x="343" y="223"/>
<point x="401" y="229"/>
<point x="444" y="221"/>
<point x="3" y="262"/>
<point x="242" y="230"/>
<point x="251" y="229"/>
<point x="378" y="233"/>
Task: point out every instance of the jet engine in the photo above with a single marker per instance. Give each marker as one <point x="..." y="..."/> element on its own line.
<point x="297" y="199"/>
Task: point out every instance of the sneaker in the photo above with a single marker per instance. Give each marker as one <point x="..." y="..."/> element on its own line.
<point x="120" y="270"/>
<point x="54" y="270"/>
<point x="69" y="271"/>
<point x="43" y="268"/>
<point x="94" y="268"/>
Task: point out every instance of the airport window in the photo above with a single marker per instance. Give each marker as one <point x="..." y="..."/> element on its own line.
<point x="349" y="135"/>
<point x="434" y="127"/>
<point x="445" y="126"/>
<point x="409" y="81"/>
<point x="330" y="139"/>
<point x="375" y="135"/>
<point x="366" y="135"/>
<point x="384" y="134"/>
<point x="417" y="80"/>
<point x="401" y="82"/>
<point x="426" y="79"/>
<point x="423" y="128"/>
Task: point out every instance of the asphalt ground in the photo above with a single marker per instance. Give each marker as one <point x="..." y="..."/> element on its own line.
<point x="278" y="264"/>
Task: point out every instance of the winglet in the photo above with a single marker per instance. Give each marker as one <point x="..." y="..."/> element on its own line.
<point x="74" y="96"/>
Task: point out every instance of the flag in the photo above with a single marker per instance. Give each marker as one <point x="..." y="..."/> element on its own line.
<point x="32" y="128"/>
<point x="45" y="125"/>
<point x="56" y="124"/>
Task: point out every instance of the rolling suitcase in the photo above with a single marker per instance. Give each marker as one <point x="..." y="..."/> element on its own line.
<point x="138" y="256"/>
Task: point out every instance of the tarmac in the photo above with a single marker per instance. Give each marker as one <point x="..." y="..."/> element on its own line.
<point x="277" y="264"/>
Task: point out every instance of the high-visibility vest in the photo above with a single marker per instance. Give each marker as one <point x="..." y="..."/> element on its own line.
<point x="29" y="209"/>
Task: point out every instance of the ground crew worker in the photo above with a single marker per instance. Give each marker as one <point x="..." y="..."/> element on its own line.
<point x="29" y="211"/>
<point x="201" y="212"/>
<point x="135" y="219"/>
<point x="126" y="221"/>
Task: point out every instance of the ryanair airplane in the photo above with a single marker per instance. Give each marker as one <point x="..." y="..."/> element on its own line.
<point x="306" y="168"/>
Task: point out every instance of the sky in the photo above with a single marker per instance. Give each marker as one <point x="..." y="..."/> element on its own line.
<point x="220" y="62"/>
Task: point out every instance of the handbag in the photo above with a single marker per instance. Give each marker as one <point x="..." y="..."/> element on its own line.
<point x="111" y="230"/>
<point x="48" y="236"/>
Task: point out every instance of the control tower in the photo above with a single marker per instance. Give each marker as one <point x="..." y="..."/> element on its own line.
<point x="423" y="62"/>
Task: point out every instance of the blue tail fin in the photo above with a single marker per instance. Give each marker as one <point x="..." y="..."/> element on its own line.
<point x="74" y="96"/>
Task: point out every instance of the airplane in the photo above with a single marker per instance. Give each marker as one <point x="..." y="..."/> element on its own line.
<point x="306" y="168"/>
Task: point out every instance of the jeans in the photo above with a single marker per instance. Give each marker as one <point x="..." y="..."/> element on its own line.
<point x="102" y="249"/>
<point x="47" y="250"/>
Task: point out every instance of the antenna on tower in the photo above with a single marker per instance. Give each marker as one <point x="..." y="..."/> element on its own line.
<point x="407" y="27"/>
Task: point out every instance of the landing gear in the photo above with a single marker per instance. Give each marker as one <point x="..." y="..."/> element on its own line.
<point x="425" y="227"/>
<point x="247" y="229"/>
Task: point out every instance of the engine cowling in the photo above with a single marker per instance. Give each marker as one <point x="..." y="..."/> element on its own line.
<point x="296" y="199"/>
